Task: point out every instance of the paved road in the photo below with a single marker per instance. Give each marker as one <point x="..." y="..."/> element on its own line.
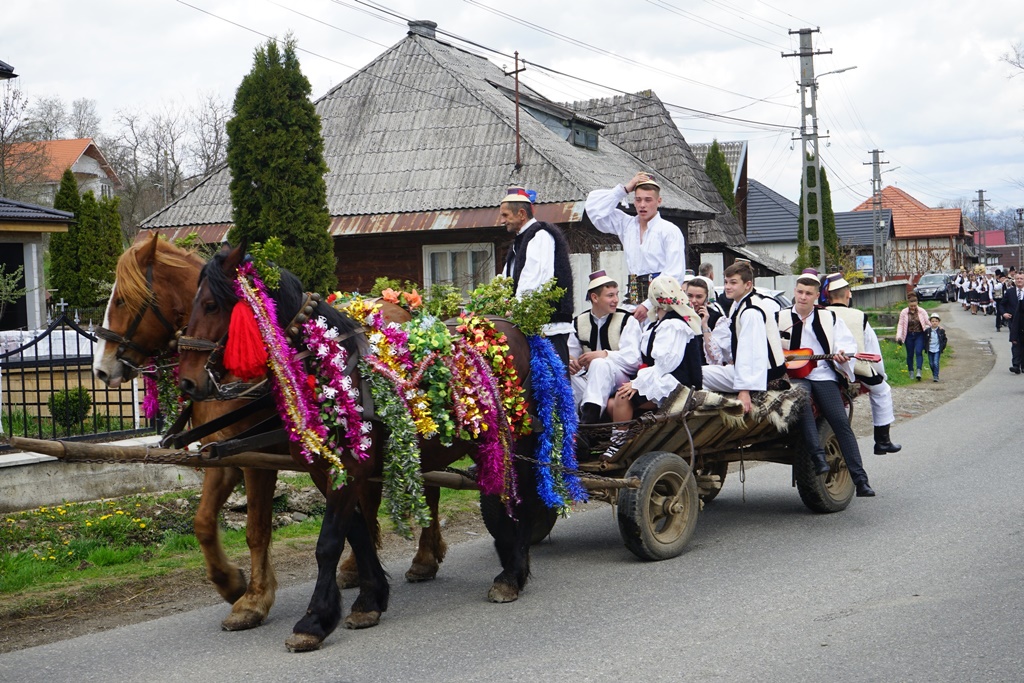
<point x="922" y="583"/>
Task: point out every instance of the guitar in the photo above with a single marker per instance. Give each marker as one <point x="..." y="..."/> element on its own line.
<point x="800" y="362"/>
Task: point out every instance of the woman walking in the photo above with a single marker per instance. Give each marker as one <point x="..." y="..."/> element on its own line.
<point x="910" y="331"/>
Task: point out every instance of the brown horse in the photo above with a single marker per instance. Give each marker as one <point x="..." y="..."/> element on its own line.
<point x="344" y="519"/>
<point x="150" y="302"/>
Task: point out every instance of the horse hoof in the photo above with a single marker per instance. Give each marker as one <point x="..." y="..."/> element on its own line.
<point x="347" y="579"/>
<point x="242" y="621"/>
<point x="303" y="642"/>
<point x="421" y="572"/>
<point x="356" y="620"/>
<point x="501" y="592"/>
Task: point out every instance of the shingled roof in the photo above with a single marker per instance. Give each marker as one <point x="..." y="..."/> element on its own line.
<point x="735" y="152"/>
<point x="60" y="155"/>
<point x="912" y="219"/>
<point x="423" y="135"/>
<point x="642" y="125"/>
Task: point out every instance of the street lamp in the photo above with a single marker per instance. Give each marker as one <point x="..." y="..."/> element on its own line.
<point x="837" y="71"/>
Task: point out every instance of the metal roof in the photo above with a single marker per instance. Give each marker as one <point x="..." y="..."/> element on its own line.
<point x="641" y="125"/>
<point x="770" y="216"/>
<point x="423" y="128"/>
<point x="855" y="228"/>
<point x="12" y="211"/>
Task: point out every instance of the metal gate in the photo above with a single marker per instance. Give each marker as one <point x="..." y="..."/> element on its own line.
<point x="59" y="361"/>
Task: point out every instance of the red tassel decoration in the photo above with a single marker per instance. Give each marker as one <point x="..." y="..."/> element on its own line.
<point x="245" y="355"/>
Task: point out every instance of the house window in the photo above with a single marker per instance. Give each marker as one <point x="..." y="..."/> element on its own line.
<point x="583" y="136"/>
<point x="462" y="265"/>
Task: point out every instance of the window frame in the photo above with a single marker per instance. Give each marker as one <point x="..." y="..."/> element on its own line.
<point x="468" y="247"/>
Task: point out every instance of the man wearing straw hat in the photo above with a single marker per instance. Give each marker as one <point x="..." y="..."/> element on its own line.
<point x="604" y="352"/>
<point x="871" y="375"/>
<point x="538" y="253"/>
<point x="652" y="245"/>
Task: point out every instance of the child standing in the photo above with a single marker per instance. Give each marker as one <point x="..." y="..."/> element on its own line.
<point x="935" y="343"/>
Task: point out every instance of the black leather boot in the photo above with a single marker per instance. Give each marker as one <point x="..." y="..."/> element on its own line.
<point x="590" y="413"/>
<point x="883" y="444"/>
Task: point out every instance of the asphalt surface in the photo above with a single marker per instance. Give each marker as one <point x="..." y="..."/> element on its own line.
<point x="922" y="583"/>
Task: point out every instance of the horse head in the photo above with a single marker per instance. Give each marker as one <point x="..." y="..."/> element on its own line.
<point x="201" y="345"/>
<point x="149" y="303"/>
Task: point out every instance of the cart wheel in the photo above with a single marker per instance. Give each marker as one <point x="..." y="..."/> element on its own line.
<point x="493" y="512"/>
<point x="830" y="492"/>
<point x="717" y="469"/>
<point x="657" y="520"/>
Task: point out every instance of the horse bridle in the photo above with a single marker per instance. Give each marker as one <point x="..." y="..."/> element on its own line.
<point x="236" y="390"/>
<point x="124" y="341"/>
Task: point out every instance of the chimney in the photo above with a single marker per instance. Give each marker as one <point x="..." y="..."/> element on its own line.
<point x="423" y="27"/>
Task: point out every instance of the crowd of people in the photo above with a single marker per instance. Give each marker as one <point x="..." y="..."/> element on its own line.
<point x="670" y="330"/>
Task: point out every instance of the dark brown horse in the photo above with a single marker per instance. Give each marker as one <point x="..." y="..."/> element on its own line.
<point x="151" y="300"/>
<point x="344" y="519"/>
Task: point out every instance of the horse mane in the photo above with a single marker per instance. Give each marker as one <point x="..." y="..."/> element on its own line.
<point x="288" y="299"/>
<point x="131" y="277"/>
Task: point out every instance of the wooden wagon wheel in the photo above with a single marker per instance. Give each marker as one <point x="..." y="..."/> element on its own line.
<point x="830" y="492"/>
<point x="657" y="519"/>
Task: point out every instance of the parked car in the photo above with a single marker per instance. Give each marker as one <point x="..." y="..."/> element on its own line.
<point x="936" y="286"/>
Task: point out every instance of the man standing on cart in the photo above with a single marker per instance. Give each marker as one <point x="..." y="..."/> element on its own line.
<point x="803" y="326"/>
<point x="538" y="253"/>
<point x="652" y="245"/>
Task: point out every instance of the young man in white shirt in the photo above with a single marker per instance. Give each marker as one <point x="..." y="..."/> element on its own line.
<point x="747" y="340"/>
<point x="652" y="245"/>
<point x="806" y="327"/>
<point x="538" y="253"/>
<point x="871" y="375"/>
<point x="604" y="351"/>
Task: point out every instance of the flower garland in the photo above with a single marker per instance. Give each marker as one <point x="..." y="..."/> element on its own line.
<point x="557" y="483"/>
<point x="162" y="396"/>
<point x="337" y="395"/>
<point x="485" y="338"/>
<point x="403" y="481"/>
<point x="294" y="397"/>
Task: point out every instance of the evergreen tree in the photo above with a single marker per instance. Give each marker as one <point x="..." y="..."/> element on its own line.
<point x="275" y="153"/>
<point x="718" y="170"/>
<point x="64" y="275"/>
<point x="90" y="270"/>
<point x="807" y="256"/>
<point x="111" y="243"/>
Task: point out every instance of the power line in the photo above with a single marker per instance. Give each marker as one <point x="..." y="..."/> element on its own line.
<point x="663" y="4"/>
<point x="321" y="21"/>
<point x="608" y="53"/>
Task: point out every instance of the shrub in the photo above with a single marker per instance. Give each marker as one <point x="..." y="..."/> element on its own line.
<point x="70" y="407"/>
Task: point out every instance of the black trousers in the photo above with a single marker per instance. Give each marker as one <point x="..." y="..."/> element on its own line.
<point x="561" y="344"/>
<point x="829" y="400"/>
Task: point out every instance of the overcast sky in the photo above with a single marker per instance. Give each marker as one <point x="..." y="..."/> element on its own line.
<point x="929" y="87"/>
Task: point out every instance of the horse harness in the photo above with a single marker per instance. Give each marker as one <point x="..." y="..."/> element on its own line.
<point x="124" y="342"/>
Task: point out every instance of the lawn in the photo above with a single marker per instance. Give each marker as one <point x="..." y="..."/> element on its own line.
<point x="136" y="537"/>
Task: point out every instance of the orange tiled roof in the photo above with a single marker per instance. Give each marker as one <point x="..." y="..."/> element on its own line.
<point x="63" y="154"/>
<point x="911" y="218"/>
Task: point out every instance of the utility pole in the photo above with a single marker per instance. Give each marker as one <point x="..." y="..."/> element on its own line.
<point x="809" y="142"/>
<point x="980" y="201"/>
<point x="1020" y="241"/>
<point x="879" y="233"/>
<point x="519" y="160"/>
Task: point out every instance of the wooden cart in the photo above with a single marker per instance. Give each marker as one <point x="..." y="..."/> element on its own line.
<point x="672" y="462"/>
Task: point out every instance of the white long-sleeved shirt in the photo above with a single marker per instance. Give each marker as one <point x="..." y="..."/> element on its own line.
<point x="656" y="381"/>
<point x="627" y="357"/>
<point x="662" y="250"/>
<point x="751" y="368"/>
<point x="538" y="268"/>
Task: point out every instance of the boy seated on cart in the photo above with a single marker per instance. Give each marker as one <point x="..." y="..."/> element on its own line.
<point x="670" y="355"/>
<point x="746" y="340"/>
<point x="604" y="352"/>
